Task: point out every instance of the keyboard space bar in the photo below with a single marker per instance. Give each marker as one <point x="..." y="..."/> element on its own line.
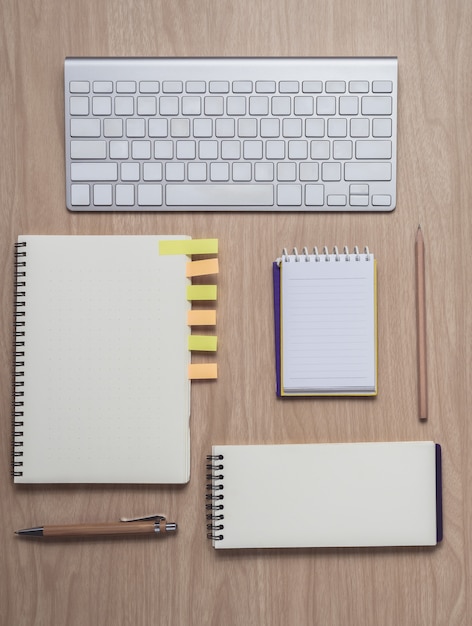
<point x="220" y="195"/>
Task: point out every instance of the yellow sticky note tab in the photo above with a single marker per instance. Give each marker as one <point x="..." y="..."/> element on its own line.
<point x="202" y="371"/>
<point x="202" y="268"/>
<point x="201" y="318"/>
<point x="205" y="343"/>
<point x="201" y="292"/>
<point x="188" y="246"/>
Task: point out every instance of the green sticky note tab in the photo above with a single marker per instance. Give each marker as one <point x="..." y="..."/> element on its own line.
<point x="201" y="292"/>
<point x="188" y="246"/>
<point x="206" y="343"/>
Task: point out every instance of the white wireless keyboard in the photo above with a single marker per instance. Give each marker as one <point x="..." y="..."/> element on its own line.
<point x="227" y="134"/>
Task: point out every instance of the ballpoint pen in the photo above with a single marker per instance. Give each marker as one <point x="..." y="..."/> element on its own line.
<point x="148" y="525"/>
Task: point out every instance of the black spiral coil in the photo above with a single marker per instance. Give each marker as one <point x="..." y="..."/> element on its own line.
<point x="18" y="357"/>
<point x="214" y="504"/>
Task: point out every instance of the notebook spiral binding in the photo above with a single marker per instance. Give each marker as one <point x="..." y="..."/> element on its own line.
<point x="325" y="255"/>
<point x="214" y="504"/>
<point x="18" y="357"/>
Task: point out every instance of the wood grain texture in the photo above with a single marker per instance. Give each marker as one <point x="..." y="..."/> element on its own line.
<point x="181" y="580"/>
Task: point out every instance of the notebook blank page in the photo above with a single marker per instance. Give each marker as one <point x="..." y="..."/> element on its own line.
<point x="328" y="325"/>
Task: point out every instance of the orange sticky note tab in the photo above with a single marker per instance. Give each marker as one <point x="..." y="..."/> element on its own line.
<point x="201" y="292"/>
<point x="202" y="268"/>
<point x="201" y="318"/>
<point x="202" y="371"/>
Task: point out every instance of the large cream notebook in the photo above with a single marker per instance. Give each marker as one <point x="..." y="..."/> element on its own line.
<point x="102" y="388"/>
<point x="325" y="495"/>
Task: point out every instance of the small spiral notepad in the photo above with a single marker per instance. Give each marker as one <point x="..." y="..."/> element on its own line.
<point x="326" y="322"/>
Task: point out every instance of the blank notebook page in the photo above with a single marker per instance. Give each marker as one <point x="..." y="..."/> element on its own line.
<point x="107" y="396"/>
<point x="328" y="325"/>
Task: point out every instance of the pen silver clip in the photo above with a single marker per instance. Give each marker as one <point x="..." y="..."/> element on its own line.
<point x="155" y="517"/>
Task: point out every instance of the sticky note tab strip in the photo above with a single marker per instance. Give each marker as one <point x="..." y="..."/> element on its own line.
<point x="202" y="268"/>
<point x="188" y="246"/>
<point x="203" y="371"/>
<point x="201" y="292"/>
<point x="201" y="317"/>
<point x="204" y="343"/>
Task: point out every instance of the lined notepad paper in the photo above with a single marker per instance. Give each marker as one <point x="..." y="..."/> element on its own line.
<point x="327" y="328"/>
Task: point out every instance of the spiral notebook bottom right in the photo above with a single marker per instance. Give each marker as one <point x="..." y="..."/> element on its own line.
<point x="366" y="494"/>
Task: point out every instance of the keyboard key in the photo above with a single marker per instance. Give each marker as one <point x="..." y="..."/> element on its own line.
<point x="219" y="171"/>
<point x="214" y="105"/>
<point x="314" y="195"/>
<point x="320" y="150"/>
<point x="224" y="127"/>
<point x="119" y="149"/>
<point x="342" y="149"/>
<point x="236" y="105"/>
<point x="158" y="128"/>
<point x="195" y="86"/>
<point x="179" y="127"/>
<point x="141" y="149"/>
<point x="79" y="105"/>
<point x="203" y="128"/>
<point x="376" y="105"/>
<point x="219" y="86"/>
<point x="88" y="149"/>
<point x="172" y="86"/>
<point x="258" y="105"/>
<point x="337" y="127"/>
<point x="359" y="127"/>
<point x="336" y="200"/>
<point x="348" y="105"/>
<point x="368" y="171"/>
<point x="147" y="105"/>
<point x="208" y="149"/>
<point x="124" y="105"/>
<point x="126" y="86"/>
<point x="312" y="86"/>
<point x="81" y="127"/>
<point x="79" y="86"/>
<point x="103" y="86"/>
<point x="163" y="149"/>
<point x="150" y="195"/>
<point x="252" y="149"/>
<point x="247" y="127"/>
<point x="315" y="127"/>
<point x="175" y="171"/>
<point x="218" y="195"/>
<point x="130" y="171"/>
<point x="102" y="195"/>
<point x="124" y="195"/>
<point x="359" y="200"/>
<point x="186" y="150"/>
<point x="168" y="105"/>
<point x="298" y="150"/>
<point x="331" y="171"/>
<point x="101" y="105"/>
<point x="326" y="105"/>
<point x="242" y="86"/>
<point x="303" y="105"/>
<point x="197" y="171"/>
<point x="149" y="86"/>
<point x="113" y="127"/>
<point x="242" y="171"/>
<point x="308" y="171"/>
<point x="289" y="86"/>
<point x="292" y="127"/>
<point x="381" y="200"/>
<point x="335" y="86"/>
<point x="191" y="105"/>
<point x="289" y="195"/>
<point x="281" y="105"/>
<point x="382" y="127"/>
<point x="275" y="150"/>
<point x="230" y="149"/>
<point x="286" y="172"/>
<point x="80" y="195"/>
<point x="265" y="86"/>
<point x="270" y="127"/>
<point x="382" y="86"/>
<point x="359" y="86"/>
<point x="94" y="171"/>
<point x="359" y="190"/>
<point x="374" y="149"/>
<point x="135" y="128"/>
<point x="263" y="172"/>
<point x="152" y="171"/>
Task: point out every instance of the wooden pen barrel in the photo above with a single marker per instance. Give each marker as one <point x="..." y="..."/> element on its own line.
<point x="94" y="530"/>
